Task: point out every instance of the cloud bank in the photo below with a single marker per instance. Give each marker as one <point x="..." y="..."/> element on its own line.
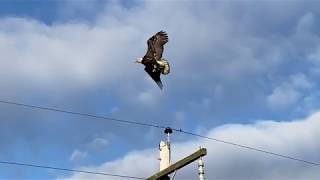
<point x="297" y="138"/>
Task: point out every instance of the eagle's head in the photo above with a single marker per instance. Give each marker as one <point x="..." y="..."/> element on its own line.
<point x="139" y="61"/>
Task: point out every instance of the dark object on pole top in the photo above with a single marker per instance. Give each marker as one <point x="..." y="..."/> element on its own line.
<point x="168" y="130"/>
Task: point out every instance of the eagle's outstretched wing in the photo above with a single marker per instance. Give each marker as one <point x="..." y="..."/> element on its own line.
<point x="155" y="75"/>
<point x="160" y="40"/>
<point x="155" y="45"/>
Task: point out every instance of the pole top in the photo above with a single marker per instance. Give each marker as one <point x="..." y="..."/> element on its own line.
<point x="168" y="130"/>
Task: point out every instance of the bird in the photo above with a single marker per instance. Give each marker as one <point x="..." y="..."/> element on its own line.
<point x="154" y="64"/>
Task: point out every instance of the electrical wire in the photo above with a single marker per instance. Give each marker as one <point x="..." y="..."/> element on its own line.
<point x="250" y="148"/>
<point x="81" y="114"/>
<point x="70" y="170"/>
<point x="159" y="127"/>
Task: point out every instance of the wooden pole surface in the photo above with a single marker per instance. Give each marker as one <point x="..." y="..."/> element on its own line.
<point x="180" y="164"/>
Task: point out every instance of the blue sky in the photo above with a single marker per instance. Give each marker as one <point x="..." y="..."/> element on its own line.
<point x="245" y="71"/>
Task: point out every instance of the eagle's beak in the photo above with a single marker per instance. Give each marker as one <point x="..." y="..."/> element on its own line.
<point x="139" y="61"/>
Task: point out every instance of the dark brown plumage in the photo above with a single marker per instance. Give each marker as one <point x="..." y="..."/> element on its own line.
<point x="154" y="54"/>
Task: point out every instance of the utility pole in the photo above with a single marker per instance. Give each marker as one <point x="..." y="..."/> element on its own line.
<point x="201" y="169"/>
<point x="167" y="168"/>
<point x="165" y="153"/>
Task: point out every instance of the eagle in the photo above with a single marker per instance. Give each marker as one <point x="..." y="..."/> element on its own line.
<point x="154" y="64"/>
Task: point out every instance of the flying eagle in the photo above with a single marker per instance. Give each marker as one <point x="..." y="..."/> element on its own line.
<point x="154" y="64"/>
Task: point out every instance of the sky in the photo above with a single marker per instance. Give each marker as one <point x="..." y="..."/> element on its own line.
<point x="241" y="71"/>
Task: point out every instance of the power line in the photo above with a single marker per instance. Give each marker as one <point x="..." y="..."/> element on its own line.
<point x="250" y="148"/>
<point x="159" y="127"/>
<point x="70" y="170"/>
<point x="81" y="114"/>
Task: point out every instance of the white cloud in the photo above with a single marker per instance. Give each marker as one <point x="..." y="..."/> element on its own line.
<point x="298" y="138"/>
<point x="314" y="58"/>
<point x="301" y="81"/>
<point x="99" y="143"/>
<point x="283" y="96"/>
<point x="289" y="93"/>
<point x="96" y="145"/>
<point x="147" y="98"/>
<point x="64" y="54"/>
<point x="306" y="23"/>
<point x="103" y="52"/>
<point x="82" y="56"/>
<point x="78" y="155"/>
